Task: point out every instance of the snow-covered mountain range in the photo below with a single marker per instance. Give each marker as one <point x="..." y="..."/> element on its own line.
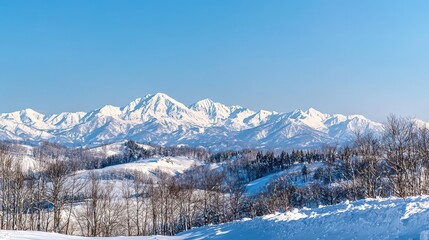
<point x="159" y="119"/>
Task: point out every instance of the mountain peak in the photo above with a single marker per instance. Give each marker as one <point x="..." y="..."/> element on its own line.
<point x="139" y="101"/>
<point x="160" y="96"/>
<point x="110" y="110"/>
<point x="162" y="100"/>
<point x="25" y="112"/>
<point x="313" y="110"/>
<point x="213" y="110"/>
<point x="161" y="108"/>
<point x="315" y="113"/>
<point x="203" y="104"/>
<point x="146" y="100"/>
<point x="205" y="101"/>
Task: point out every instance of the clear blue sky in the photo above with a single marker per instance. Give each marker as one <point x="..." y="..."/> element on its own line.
<point x="366" y="57"/>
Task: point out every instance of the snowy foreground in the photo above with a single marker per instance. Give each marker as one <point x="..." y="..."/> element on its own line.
<point x="365" y="219"/>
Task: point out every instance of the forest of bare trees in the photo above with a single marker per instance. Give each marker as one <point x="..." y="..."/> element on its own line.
<point x="62" y="194"/>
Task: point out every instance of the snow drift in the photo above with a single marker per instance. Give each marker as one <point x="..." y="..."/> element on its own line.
<point x="391" y="218"/>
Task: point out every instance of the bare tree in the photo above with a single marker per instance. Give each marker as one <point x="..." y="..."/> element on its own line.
<point x="399" y="142"/>
<point x="57" y="172"/>
<point x="369" y="151"/>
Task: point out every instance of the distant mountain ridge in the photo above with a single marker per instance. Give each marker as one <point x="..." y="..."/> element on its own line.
<point x="160" y="119"/>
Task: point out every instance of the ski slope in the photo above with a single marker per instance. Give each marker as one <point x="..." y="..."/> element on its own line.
<point x="391" y="218"/>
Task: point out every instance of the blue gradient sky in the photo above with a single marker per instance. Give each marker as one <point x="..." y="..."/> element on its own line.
<point x="366" y="57"/>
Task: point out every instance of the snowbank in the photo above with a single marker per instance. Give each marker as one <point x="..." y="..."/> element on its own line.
<point x="365" y="219"/>
<point x="391" y="218"/>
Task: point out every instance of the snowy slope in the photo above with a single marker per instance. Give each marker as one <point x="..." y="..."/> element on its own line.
<point x="170" y="165"/>
<point x="365" y="219"/>
<point x="162" y="120"/>
<point x="294" y="172"/>
<point x="28" y="235"/>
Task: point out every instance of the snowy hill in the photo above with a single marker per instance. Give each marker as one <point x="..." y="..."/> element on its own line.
<point x="160" y="119"/>
<point x="170" y="165"/>
<point x="365" y="219"/>
<point x="167" y="164"/>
